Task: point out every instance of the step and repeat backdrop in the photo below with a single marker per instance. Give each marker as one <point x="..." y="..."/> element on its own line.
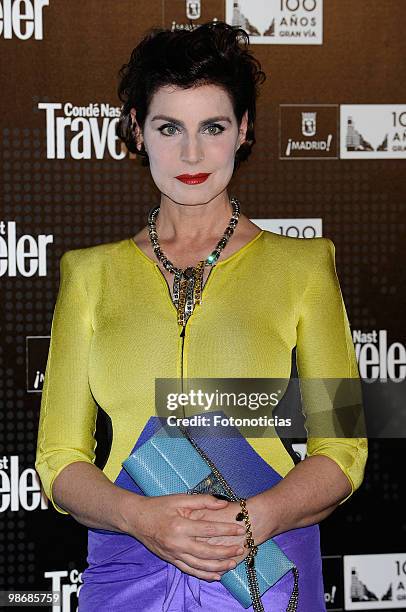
<point x="329" y="161"/>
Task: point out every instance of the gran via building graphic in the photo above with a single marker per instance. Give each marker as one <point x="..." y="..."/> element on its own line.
<point x="356" y="142"/>
<point x="293" y="22"/>
<point x="239" y="19"/>
<point x="375" y="581"/>
<point x="360" y="592"/>
<point x="372" y="131"/>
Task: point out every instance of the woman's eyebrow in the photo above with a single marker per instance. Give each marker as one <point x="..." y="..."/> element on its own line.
<point x="204" y="122"/>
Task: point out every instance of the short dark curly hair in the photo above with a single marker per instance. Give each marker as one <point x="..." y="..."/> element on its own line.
<point x="212" y="53"/>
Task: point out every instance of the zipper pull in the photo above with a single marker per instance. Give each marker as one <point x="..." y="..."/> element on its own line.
<point x="182" y="333"/>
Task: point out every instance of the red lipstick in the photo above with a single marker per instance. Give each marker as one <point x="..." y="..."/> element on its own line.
<point x="193" y="179"/>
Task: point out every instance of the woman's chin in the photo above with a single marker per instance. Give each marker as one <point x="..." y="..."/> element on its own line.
<point x="189" y="195"/>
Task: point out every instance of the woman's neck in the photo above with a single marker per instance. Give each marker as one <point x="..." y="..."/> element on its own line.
<point x="186" y="223"/>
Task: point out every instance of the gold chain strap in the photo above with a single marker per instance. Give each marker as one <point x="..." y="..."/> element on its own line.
<point x="243" y="516"/>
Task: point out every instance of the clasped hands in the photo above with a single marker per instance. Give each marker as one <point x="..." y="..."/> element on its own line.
<point x="198" y="533"/>
<point x="258" y="519"/>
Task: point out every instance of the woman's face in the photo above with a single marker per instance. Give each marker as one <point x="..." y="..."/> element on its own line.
<point x="192" y="131"/>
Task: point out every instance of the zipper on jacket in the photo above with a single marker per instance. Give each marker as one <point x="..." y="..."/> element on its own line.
<point x="182" y="335"/>
<point x="183" y="331"/>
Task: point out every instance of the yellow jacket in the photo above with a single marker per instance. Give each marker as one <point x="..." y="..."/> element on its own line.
<point x="115" y="330"/>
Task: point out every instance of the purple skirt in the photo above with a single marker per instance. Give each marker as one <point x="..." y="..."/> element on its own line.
<point x="124" y="575"/>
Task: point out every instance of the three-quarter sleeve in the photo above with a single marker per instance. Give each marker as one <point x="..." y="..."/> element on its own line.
<point x="325" y="351"/>
<point x="68" y="411"/>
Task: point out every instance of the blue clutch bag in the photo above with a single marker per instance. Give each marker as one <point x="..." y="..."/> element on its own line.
<point x="168" y="463"/>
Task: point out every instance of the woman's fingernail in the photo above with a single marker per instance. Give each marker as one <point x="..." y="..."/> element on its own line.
<point x="240" y="551"/>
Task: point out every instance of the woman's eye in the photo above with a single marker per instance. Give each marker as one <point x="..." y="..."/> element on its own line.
<point x="167" y="127"/>
<point x="216" y="126"/>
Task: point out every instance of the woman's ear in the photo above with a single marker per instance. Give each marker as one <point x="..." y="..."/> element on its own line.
<point x="242" y="134"/>
<point x="136" y="129"/>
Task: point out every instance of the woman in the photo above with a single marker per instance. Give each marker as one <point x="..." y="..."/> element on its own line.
<point x="123" y="319"/>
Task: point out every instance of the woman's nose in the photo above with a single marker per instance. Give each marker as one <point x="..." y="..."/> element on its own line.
<point x="192" y="151"/>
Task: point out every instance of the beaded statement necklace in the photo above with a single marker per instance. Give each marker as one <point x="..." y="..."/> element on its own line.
<point x="187" y="283"/>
